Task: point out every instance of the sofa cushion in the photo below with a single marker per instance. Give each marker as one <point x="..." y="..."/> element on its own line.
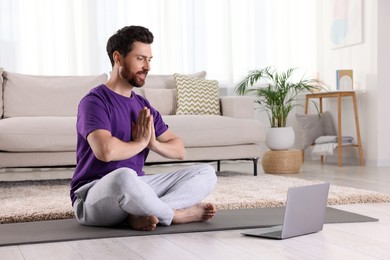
<point x="212" y="130"/>
<point x="197" y="96"/>
<point x="167" y="81"/>
<point x="34" y="134"/>
<point x="164" y="100"/>
<point x="1" y="92"/>
<point x="139" y="91"/>
<point x="238" y="106"/>
<point x="26" y="95"/>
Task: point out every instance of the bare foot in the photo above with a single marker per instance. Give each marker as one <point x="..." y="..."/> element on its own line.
<point x="197" y="213"/>
<point x="147" y="223"/>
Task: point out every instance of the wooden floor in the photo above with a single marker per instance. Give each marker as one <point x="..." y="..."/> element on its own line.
<point x="337" y="241"/>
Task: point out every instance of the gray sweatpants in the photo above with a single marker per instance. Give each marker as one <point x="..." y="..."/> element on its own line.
<point x="108" y="201"/>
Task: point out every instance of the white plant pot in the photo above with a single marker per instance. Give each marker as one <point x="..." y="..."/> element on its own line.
<point x="280" y="138"/>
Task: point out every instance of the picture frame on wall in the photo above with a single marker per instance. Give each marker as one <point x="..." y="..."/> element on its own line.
<point x="346" y="23"/>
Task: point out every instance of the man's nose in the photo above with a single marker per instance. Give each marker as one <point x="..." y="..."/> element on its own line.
<point x="146" y="65"/>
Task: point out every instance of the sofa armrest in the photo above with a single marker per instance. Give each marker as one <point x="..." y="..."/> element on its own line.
<point x="237" y="106"/>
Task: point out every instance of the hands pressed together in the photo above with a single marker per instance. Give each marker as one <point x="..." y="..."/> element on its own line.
<point x="143" y="134"/>
<point x="143" y="130"/>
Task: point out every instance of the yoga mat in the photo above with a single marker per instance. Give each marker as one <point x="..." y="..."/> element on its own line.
<point x="70" y="229"/>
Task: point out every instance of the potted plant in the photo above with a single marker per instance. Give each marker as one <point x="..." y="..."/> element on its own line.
<point x="277" y="97"/>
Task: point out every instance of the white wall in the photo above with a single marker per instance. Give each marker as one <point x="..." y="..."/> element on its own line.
<point x="370" y="62"/>
<point x="383" y="90"/>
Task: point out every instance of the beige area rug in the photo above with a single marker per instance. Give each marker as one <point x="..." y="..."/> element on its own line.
<point x="48" y="200"/>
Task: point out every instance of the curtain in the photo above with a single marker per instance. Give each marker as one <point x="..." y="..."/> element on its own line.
<point x="226" y="38"/>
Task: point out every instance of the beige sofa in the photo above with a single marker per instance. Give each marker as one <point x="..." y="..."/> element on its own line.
<point x="38" y="118"/>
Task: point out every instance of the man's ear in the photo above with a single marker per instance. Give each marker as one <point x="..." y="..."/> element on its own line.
<point x="118" y="59"/>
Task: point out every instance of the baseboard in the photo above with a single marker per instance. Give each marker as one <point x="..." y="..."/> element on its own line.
<point x="346" y="160"/>
<point x="378" y="163"/>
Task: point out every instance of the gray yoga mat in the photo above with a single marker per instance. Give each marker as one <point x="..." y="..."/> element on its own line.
<point x="69" y="229"/>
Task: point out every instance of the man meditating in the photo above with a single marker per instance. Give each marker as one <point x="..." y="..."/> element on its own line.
<point x="116" y="129"/>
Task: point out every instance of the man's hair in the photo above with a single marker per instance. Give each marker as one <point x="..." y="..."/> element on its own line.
<point x="122" y="41"/>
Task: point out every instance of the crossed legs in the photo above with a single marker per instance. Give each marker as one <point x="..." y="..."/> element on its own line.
<point x="170" y="198"/>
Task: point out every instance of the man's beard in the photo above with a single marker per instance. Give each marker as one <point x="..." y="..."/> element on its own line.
<point x="132" y="78"/>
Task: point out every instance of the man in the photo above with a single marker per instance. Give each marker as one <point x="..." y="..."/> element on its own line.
<point x="116" y="128"/>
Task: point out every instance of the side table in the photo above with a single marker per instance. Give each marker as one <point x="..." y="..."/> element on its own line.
<point x="283" y="161"/>
<point x="339" y="95"/>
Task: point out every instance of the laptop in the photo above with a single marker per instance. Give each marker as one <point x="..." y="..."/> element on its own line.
<point x="304" y="213"/>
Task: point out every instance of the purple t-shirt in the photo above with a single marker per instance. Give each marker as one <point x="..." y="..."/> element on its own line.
<point x="102" y="108"/>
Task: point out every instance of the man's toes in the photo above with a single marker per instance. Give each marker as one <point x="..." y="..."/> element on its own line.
<point x="143" y="223"/>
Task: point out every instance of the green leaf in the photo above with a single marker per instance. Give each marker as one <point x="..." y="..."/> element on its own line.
<point x="278" y="97"/>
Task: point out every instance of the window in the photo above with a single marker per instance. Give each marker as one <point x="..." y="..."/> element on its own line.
<point x="227" y="38"/>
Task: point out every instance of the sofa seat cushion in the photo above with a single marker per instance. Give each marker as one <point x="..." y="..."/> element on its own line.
<point x="42" y="134"/>
<point x="33" y="134"/>
<point x="213" y="130"/>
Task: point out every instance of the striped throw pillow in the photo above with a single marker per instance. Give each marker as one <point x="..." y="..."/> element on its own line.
<point x="196" y="96"/>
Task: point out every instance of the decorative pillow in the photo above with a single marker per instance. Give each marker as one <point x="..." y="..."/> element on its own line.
<point x="196" y="96"/>
<point x="164" y="100"/>
<point x="313" y="126"/>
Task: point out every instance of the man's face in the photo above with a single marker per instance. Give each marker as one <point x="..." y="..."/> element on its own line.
<point x="137" y="64"/>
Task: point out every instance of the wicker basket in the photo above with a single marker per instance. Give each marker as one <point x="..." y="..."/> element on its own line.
<point x="284" y="161"/>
